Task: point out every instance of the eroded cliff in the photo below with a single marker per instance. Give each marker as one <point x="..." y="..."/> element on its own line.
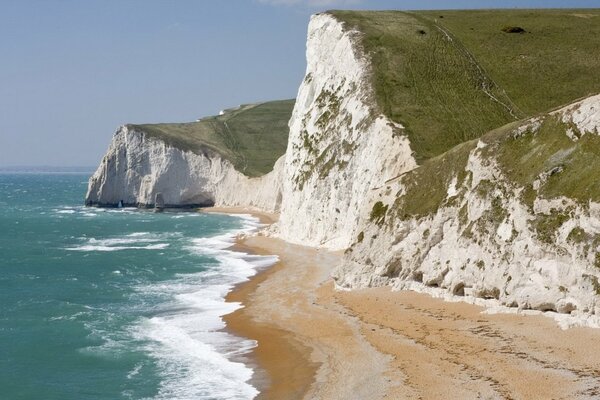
<point x="229" y="160"/>
<point x="513" y="216"/>
<point x="142" y="171"/>
<point x="388" y="159"/>
<point x="341" y="147"/>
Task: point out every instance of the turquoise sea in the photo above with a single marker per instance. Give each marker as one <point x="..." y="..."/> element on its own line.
<point x="116" y="303"/>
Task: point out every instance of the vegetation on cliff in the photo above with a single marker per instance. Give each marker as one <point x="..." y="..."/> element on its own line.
<point x="539" y="158"/>
<point x="252" y="137"/>
<point x="451" y="76"/>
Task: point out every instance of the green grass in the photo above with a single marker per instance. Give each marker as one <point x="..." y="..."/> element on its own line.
<point x="378" y="213"/>
<point x="452" y="79"/>
<point x="252" y="136"/>
<point x="426" y="186"/>
<point x="572" y="168"/>
<point x="547" y="225"/>
<point x="566" y="167"/>
<point x="555" y="62"/>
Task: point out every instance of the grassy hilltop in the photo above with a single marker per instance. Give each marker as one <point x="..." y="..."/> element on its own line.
<point x="447" y="76"/>
<point x="451" y="76"/>
<point x="454" y="77"/>
<point x="252" y="136"/>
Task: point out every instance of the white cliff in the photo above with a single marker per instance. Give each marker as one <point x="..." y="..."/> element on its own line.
<point x="138" y="169"/>
<point x="340" y="148"/>
<point x="485" y="241"/>
<point x="348" y="175"/>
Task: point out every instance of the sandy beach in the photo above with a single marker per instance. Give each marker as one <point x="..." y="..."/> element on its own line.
<point x="264" y="217"/>
<point x="318" y="343"/>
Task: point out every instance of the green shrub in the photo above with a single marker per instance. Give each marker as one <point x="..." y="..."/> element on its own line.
<point x="547" y="225"/>
<point x="577" y="235"/>
<point x="513" y="29"/>
<point x="378" y="213"/>
<point x="360" y="238"/>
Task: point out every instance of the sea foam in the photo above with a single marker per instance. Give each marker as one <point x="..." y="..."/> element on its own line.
<point x="133" y="241"/>
<point x="196" y="358"/>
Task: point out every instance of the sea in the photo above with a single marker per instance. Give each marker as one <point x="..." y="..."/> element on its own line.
<point x="100" y="303"/>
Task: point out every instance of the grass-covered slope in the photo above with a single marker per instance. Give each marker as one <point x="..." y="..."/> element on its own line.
<point x="555" y="61"/>
<point x="251" y="136"/>
<point x="449" y="77"/>
<point x="539" y="158"/>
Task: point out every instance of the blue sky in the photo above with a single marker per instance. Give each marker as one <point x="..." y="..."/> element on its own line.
<point x="71" y="71"/>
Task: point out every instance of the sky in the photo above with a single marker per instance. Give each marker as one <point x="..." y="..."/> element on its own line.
<point x="72" y="71"/>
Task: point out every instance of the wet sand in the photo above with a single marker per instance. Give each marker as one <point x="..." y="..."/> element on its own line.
<point x="264" y="217"/>
<point x="318" y="343"/>
<point x="285" y="370"/>
<point x="307" y="344"/>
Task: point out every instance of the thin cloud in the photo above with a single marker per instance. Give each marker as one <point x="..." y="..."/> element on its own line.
<point x="310" y="3"/>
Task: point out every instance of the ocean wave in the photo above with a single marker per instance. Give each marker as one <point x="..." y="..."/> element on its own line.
<point x="132" y="241"/>
<point x="193" y="367"/>
<point x="65" y="211"/>
<point x="76" y="211"/>
<point x="158" y="246"/>
<point x="196" y="358"/>
<point x="186" y="337"/>
<point x="180" y="320"/>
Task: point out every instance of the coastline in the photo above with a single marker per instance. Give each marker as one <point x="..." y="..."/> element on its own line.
<point x="308" y="346"/>
<point x="284" y="369"/>
<point x="265" y="218"/>
<point x="315" y="342"/>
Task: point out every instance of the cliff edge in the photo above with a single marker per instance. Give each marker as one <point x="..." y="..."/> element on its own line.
<point x="230" y="159"/>
<point x="442" y="151"/>
<point x="513" y="216"/>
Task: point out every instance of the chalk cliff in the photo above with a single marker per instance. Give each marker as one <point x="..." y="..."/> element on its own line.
<point x="340" y="147"/>
<point x="512" y="216"/>
<point x="138" y="169"/>
<point x="231" y="159"/>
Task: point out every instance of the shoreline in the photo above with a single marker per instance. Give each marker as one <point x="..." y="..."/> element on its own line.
<point x="315" y="342"/>
<point x="265" y="218"/>
<point x="275" y="376"/>
<point x="282" y="366"/>
<point x="266" y="380"/>
<point x="307" y="346"/>
<point x="303" y="338"/>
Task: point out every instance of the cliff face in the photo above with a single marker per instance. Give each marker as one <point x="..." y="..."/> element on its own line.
<point x="143" y="171"/>
<point x="340" y="148"/>
<point x="514" y="216"/>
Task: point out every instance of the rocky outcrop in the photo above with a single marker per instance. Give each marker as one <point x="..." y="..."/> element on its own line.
<point x="513" y="217"/>
<point x="340" y="147"/>
<point x="489" y="231"/>
<point x="138" y="169"/>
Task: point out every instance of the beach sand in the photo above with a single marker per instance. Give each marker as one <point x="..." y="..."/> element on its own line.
<point x="318" y="343"/>
<point x="307" y="344"/>
<point x="264" y="217"/>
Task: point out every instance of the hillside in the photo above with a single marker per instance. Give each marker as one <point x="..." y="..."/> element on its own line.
<point x="549" y="65"/>
<point x="512" y="216"/>
<point x="546" y="158"/>
<point x="451" y="76"/>
<point x="432" y="158"/>
<point x="252" y="137"/>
